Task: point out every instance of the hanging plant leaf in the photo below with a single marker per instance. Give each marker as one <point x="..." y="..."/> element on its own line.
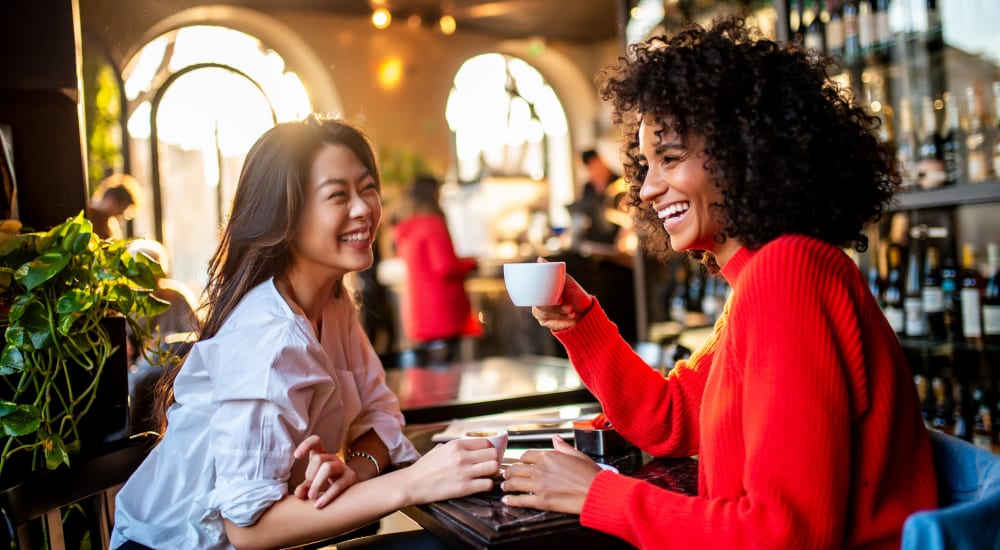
<point x="35" y="324"/>
<point x="66" y="321"/>
<point x="55" y="450"/>
<point x="75" y="301"/>
<point x="23" y="420"/>
<point x="11" y="360"/>
<point x="6" y="407"/>
<point x="19" y="306"/>
<point x="41" y="269"/>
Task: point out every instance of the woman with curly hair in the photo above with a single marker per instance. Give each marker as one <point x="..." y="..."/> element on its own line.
<point x="800" y="406"/>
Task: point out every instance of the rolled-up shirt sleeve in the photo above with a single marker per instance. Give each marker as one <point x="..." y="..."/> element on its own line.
<point x="380" y="406"/>
<point x="262" y="413"/>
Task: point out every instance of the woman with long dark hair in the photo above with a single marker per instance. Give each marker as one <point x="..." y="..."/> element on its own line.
<point x="282" y="370"/>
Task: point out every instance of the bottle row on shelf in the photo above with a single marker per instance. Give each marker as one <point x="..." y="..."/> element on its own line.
<point x="947" y="316"/>
<point x="853" y="29"/>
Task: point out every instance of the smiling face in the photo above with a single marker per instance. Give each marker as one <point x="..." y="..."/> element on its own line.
<point x="681" y="191"/>
<point x="341" y="213"/>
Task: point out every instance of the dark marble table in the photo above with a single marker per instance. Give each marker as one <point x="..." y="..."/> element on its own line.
<point x="483" y="521"/>
<point x="485" y="386"/>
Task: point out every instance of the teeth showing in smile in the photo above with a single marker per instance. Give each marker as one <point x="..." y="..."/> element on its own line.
<point x="356" y="237"/>
<point x="674" y="209"/>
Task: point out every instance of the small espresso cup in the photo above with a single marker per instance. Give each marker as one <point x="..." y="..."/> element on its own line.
<point x="496" y="436"/>
<point x="535" y="283"/>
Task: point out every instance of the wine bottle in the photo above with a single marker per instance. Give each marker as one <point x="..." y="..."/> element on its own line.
<point x="991" y="296"/>
<point x="971" y="288"/>
<point x="975" y="141"/>
<point x="982" y="429"/>
<point x="906" y="146"/>
<point x="852" y="44"/>
<point x="866" y="26"/>
<point x="930" y="164"/>
<point x="892" y="297"/>
<point x="942" y="414"/>
<point x="952" y="301"/>
<point x="813" y="39"/>
<point x="883" y="34"/>
<point x="916" y="322"/>
<point x="834" y="29"/>
<point x="952" y="142"/>
<point x="932" y="296"/>
<point x="996" y="132"/>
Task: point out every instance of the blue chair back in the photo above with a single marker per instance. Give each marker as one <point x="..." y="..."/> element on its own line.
<point x="969" y="499"/>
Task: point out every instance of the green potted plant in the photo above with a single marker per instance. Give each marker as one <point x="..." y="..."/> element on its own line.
<point x="65" y="296"/>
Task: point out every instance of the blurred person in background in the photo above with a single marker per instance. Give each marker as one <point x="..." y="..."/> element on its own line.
<point x="600" y="194"/>
<point x="113" y="204"/>
<point x="436" y="310"/>
<point x="800" y="406"/>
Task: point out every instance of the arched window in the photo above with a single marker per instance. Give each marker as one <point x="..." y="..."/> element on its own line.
<point x="507" y="121"/>
<point x="198" y="98"/>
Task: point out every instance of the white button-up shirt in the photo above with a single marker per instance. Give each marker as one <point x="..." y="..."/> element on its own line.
<point x="245" y="399"/>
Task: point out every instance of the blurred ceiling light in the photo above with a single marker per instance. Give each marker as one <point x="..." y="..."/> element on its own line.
<point x="447" y="24"/>
<point x="414" y="21"/>
<point x="381" y="18"/>
<point x="390" y="72"/>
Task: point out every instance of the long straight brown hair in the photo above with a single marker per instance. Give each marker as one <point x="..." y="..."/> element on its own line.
<point x="265" y="216"/>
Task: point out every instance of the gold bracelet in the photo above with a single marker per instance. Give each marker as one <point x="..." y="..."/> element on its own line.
<point x="369" y="456"/>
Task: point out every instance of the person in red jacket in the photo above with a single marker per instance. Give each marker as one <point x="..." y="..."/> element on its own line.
<point x="436" y="310"/>
<point x="800" y="406"/>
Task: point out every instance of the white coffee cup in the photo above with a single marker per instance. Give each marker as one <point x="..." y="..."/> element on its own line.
<point x="535" y="283"/>
<point x="496" y="436"/>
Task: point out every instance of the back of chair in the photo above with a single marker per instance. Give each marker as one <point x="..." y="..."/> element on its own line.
<point x="969" y="498"/>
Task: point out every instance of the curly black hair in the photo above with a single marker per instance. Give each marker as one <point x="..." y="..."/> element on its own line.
<point x="785" y="145"/>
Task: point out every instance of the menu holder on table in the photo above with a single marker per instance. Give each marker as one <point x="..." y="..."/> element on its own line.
<point x="535" y="425"/>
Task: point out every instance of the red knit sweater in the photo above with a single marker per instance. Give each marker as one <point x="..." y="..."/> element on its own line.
<point x="800" y="405"/>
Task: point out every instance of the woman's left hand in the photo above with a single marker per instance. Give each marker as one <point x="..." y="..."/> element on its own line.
<point x="326" y="475"/>
<point x="550" y="480"/>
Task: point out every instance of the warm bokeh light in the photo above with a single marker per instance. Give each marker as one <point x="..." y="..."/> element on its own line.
<point x="447" y="24"/>
<point x="381" y="18"/>
<point x="414" y="21"/>
<point x="390" y="73"/>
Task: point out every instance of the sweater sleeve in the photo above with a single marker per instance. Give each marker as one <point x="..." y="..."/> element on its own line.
<point x="796" y="426"/>
<point x="632" y="393"/>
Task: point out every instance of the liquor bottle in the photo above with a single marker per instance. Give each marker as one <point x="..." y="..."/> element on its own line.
<point x="991" y="296"/>
<point x="834" y="29"/>
<point x="852" y="44"/>
<point x="952" y="300"/>
<point x="953" y="142"/>
<point x="930" y="164"/>
<point x="906" y="146"/>
<point x="795" y="23"/>
<point x="875" y="284"/>
<point x="696" y="288"/>
<point x="892" y="297"/>
<point x="996" y="133"/>
<point x="866" y="26"/>
<point x="913" y="307"/>
<point x="975" y="141"/>
<point x="813" y="39"/>
<point x="932" y="296"/>
<point x="971" y="288"/>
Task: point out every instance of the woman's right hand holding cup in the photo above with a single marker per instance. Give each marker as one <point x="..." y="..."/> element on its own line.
<point x="574" y="302"/>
